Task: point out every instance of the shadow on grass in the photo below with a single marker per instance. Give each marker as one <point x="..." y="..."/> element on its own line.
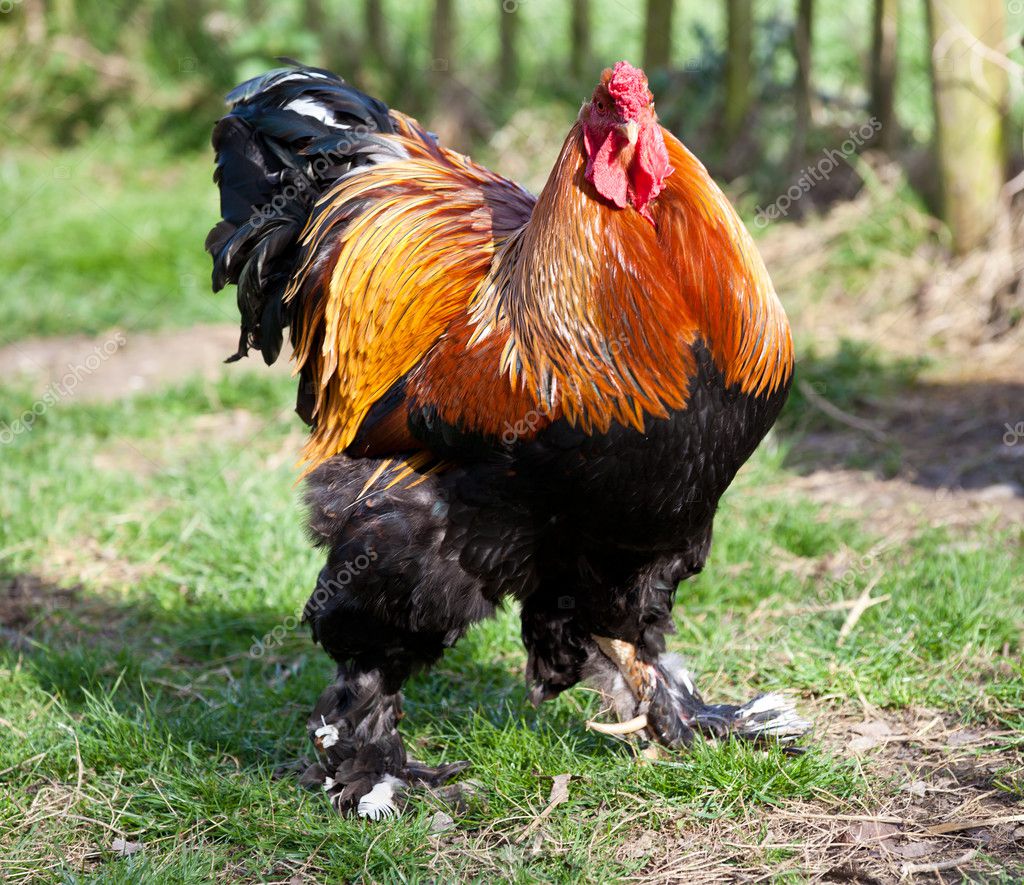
<point x="190" y="671"/>
<point x="854" y="409"/>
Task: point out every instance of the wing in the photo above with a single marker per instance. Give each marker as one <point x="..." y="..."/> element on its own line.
<point x="390" y="260"/>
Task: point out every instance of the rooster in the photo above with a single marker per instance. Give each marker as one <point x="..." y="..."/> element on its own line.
<point x="536" y="398"/>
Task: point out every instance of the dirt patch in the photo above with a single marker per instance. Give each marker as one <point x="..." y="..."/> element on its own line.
<point x="26" y="601"/>
<point x="145" y="456"/>
<point x="39" y="607"/>
<point x="899" y="508"/>
<point x="949" y="433"/>
<point x="944" y="805"/>
<point x="945" y="452"/>
<point x="88" y="562"/>
<point x="118" y="364"/>
<point x="30" y="605"/>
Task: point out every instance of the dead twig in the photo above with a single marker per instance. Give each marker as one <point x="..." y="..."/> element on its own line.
<point x="23" y="763"/>
<point x="862" y="604"/>
<point x="909" y="869"/>
<point x="81" y="768"/>
<point x="836" y="414"/>
<point x="788" y="611"/>
<point x="970" y="824"/>
<point x="559" y="794"/>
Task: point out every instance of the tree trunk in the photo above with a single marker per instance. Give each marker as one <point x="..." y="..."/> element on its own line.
<point x="740" y="23"/>
<point x="658" y="35"/>
<point x="442" y="30"/>
<point x="376" y="34"/>
<point x="883" y="70"/>
<point x="579" y="40"/>
<point x="442" y="39"/>
<point x="314" y="18"/>
<point x="508" y="28"/>
<point x="970" y="95"/>
<point x="36" y="15"/>
<point x="802" y="43"/>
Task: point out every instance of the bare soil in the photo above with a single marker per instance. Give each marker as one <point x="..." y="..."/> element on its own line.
<point x="946" y="452"/>
<point x="145" y="361"/>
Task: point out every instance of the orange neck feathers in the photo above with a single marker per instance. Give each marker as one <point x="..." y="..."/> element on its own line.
<point x="601" y="307"/>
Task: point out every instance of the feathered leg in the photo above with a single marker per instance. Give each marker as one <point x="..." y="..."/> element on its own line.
<point x="388" y="603"/>
<point x="362" y="764"/>
<point x="612" y="636"/>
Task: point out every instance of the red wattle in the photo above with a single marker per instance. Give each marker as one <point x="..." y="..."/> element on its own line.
<point x="604" y="170"/>
<point x="650" y="167"/>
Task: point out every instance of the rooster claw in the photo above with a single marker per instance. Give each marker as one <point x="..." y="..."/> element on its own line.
<point x="416" y="773"/>
<point x="671" y="711"/>
<point x="630" y="726"/>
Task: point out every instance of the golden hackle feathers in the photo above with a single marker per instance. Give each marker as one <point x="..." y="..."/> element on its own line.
<point x="408" y="242"/>
<point x="741" y="318"/>
<point x="599" y="308"/>
<point x="431" y="270"/>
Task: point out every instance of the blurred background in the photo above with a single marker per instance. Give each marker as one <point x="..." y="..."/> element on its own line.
<point x="150" y="531"/>
<point x="914" y="106"/>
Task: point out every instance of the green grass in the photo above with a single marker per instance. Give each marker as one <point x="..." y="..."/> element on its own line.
<point x="145" y="673"/>
<point x="101" y="236"/>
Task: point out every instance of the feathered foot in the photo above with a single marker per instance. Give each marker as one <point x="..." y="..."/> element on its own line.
<point x="362" y="765"/>
<point x="668" y="708"/>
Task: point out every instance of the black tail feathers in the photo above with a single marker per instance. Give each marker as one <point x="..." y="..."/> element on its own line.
<point x="287" y="137"/>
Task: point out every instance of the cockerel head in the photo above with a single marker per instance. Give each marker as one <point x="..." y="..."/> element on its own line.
<point x="627" y="161"/>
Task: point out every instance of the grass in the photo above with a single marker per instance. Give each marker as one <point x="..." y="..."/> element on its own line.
<point x="138" y="710"/>
<point x="94" y="241"/>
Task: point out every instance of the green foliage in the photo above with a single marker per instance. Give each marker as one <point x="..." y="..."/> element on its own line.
<point x="167" y="62"/>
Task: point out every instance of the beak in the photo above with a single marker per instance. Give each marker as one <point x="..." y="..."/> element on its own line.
<point x="630" y="130"/>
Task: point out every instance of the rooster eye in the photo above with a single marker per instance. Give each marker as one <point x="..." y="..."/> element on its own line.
<point x="599" y="104"/>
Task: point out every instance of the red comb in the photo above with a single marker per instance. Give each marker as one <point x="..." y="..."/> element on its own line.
<point x="628" y="86"/>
